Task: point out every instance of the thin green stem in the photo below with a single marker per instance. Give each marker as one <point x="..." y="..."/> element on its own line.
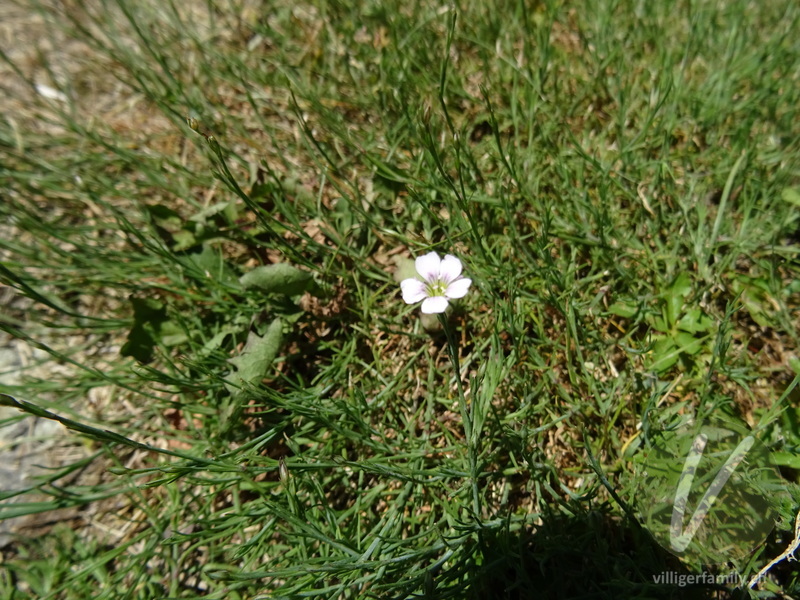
<point x="466" y="415"/>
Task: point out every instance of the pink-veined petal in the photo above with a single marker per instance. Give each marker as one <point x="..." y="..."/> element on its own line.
<point x="436" y="304"/>
<point x="428" y="266"/>
<point x="458" y="288"/>
<point x="450" y="268"/>
<point x="413" y="291"/>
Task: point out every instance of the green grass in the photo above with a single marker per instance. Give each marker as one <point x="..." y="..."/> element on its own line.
<point x="621" y="181"/>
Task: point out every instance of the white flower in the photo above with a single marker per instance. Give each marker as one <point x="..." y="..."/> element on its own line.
<point x="441" y="282"/>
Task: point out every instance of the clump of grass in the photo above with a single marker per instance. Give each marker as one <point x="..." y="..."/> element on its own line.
<point x="618" y="183"/>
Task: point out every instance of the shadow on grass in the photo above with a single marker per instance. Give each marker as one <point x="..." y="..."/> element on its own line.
<point x="586" y="555"/>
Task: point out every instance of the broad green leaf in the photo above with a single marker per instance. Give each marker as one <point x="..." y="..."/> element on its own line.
<point x="755" y="298"/>
<point x="786" y="459"/>
<point x="791" y="195"/>
<point x="172" y="224"/>
<point x="184" y="240"/>
<point x="687" y="343"/>
<point x="682" y="284"/>
<point x="673" y="416"/>
<point x="660" y="324"/>
<point x="632" y="448"/>
<point x="216" y="341"/>
<point x="208" y="263"/>
<point x="665" y="354"/>
<point x="343" y="217"/>
<point x="165" y="217"/>
<point x="280" y="278"/>
<point x="695" y="321"/>
<point x="623" y="309"/>
<point x="680" y="288"/>
<point x="256" y="357"/>
<point x="171" y="334"/>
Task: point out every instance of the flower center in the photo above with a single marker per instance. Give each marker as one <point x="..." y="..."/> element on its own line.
<point x="436" y="288"/>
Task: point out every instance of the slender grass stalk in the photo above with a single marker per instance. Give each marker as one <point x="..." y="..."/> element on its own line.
<point x="466" y="416"/>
